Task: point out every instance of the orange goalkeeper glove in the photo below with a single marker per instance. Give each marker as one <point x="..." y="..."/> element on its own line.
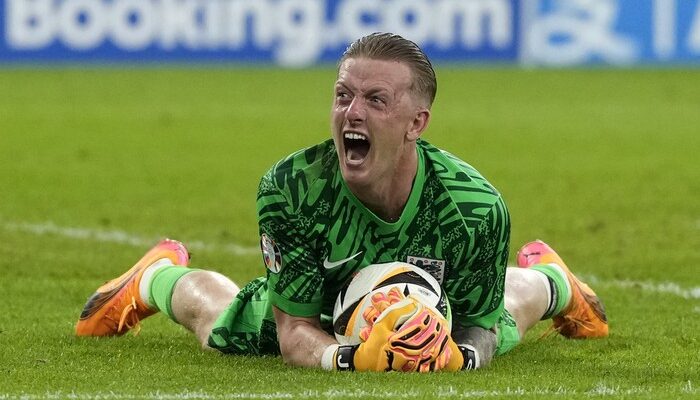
<point x="401" y="335"/>
<point x="423" y="342"/>
<point x="380" y="302"/>
<point x="457" y="357"/>
<point x="374" y="353"/>
<point x="420" y="341"/>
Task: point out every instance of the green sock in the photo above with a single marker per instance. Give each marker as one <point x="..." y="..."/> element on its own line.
<point x="163" y="285"/>
<point x="560" y="291"/>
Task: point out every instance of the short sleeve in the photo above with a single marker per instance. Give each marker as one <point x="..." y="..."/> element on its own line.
<point x="484" y="271"/>
<point x="294" y="281"/>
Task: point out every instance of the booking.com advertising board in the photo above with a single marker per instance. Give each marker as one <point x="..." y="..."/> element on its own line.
<point x="306" y="32"/>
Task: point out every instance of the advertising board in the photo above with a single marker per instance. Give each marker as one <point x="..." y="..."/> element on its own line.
<point x="297" y="33"/>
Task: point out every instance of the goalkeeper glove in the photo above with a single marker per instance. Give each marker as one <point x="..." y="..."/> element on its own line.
<point x="415" y="346"/>
<point x="423" y="343"/>
<point x="457" y="357"/>
<point x="374" y="353"/>
<point x="420" y="342"/>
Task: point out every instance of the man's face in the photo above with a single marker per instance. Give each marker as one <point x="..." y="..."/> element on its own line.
<point x="373" y="119"/>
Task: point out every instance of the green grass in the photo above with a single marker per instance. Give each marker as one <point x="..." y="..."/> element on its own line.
<point x="602" y="164"/>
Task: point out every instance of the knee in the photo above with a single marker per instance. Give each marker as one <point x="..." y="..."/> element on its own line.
<point x="199" y="298"/>
<point x="206" y="289"/>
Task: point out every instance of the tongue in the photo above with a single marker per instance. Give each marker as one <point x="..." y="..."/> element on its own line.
<point x="357" y="153"/>
<point x="354" y="155"/>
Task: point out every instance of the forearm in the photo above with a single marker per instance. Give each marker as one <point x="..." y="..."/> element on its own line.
<point x="482" y="341"/>
<point x="302" y="341"/>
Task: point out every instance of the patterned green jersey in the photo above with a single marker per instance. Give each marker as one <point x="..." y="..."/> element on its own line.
<point x="315" y="234"/>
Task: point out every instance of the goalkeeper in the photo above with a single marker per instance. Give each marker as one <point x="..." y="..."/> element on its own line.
<point x="375" y="192"/>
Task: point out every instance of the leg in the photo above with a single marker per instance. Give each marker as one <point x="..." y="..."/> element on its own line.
<point x="526" y="301"/>
<point x="199" y="298"/>
<point x="118" y="305"/>
<point x="526" y="297"/>
<point x="544" y="287"/>
<point x="159" y="281"/>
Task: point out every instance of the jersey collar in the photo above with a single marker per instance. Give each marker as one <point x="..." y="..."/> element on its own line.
<point x="411" y="205"/>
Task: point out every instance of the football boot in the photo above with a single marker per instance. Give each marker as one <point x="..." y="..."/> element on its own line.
<point x="117" y="306"/>
<point x="584" y="316"/>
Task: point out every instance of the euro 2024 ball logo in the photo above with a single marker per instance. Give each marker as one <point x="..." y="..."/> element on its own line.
<point x="271" y="254"/>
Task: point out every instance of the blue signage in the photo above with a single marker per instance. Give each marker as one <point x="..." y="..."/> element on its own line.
<point x="305" y="32"/>
<point x="618" y="32"/>
<point x="284" y="32"/>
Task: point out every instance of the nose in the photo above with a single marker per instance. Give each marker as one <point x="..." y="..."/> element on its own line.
<point x="356" y="111"/>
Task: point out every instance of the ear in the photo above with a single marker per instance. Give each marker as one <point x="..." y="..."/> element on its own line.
<point x="418" y="124"/>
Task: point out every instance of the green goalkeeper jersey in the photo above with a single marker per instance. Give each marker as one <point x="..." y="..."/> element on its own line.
<point x="315" y="234"/>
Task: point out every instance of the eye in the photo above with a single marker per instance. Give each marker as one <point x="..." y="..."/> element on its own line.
<point x="341" y="94"/>
<point x="343" y="98"/>
<point x="376" y="99"/>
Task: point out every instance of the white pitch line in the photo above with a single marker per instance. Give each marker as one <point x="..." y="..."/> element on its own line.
<point x="122" y="237"/>
<point x="673" y="288"/>
<point x="116" y="236"/>
<point x="692" y="293"/>
<point x="600" y="390"/>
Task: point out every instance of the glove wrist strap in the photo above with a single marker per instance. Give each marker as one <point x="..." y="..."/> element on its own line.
<point x="470" y="355"/>
<point x="328" y="357"/>
<point x="344" y="357"/>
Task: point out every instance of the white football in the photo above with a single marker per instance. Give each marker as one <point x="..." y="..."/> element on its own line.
<point x="357" y="295"/>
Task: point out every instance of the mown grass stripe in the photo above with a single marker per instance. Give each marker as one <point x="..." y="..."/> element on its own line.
<point x="116" y="236"/>
<point x="122" y="237"/>
<point x="599" y="390"/>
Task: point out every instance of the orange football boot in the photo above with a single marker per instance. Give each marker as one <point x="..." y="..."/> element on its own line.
<point x="584" y="316"/>
<point x="117" y="306"/>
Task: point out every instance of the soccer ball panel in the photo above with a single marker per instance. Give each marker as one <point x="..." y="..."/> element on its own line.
<point x="356" y="296"/>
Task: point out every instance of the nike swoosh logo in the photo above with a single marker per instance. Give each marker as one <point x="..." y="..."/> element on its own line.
<point x="328" y="264"/>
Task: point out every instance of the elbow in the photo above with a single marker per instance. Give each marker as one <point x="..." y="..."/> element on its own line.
<point x="297" y="344"/>
<point x="287" y="353"/>
<point x="288" y="347"/>
<point x="300" y="339"/>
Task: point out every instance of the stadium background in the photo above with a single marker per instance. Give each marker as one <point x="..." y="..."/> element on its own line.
<point x="305" y="32"/>
<point x="125" y="121"/>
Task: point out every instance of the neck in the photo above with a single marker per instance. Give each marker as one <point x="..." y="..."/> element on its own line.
<point x="386" y="197"/>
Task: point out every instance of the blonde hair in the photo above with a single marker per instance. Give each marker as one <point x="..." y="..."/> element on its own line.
<point x="392" y="47"/>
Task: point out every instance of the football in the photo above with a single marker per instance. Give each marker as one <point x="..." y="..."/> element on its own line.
<point x="356" y="296"/>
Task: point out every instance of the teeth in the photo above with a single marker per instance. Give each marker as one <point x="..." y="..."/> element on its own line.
<point x="355" y="136"/>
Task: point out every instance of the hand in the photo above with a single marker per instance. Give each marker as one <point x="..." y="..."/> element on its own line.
<point x="451" y="358"/>
<point x="457" y="358"/>
<point x="380" y="302"/>
<point x="420" y="339"/>
<point x="423" y="342"/>
<point x="420" y="342"/>
<point x="375" y="353"/>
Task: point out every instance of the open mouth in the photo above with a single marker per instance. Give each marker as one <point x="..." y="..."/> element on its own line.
<point x="356" y="147"/>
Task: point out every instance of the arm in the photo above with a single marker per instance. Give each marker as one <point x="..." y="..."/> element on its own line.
<point x="473" y="333"/>
<point x="384" y="348"/>
<point x="468" y="348"/>
<point x="476" y="284"/>
<point x="294" y="282"/>
<point x="302" y="341"/>
<point x="479" y="343"/>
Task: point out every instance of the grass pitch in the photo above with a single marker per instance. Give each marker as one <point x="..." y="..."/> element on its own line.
<point x="97" y="164"/>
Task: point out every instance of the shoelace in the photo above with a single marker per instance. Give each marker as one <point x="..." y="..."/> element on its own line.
<point x="579" y="323"/>
<point x="568" y="321"/>
<point x="130" y="313"/>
